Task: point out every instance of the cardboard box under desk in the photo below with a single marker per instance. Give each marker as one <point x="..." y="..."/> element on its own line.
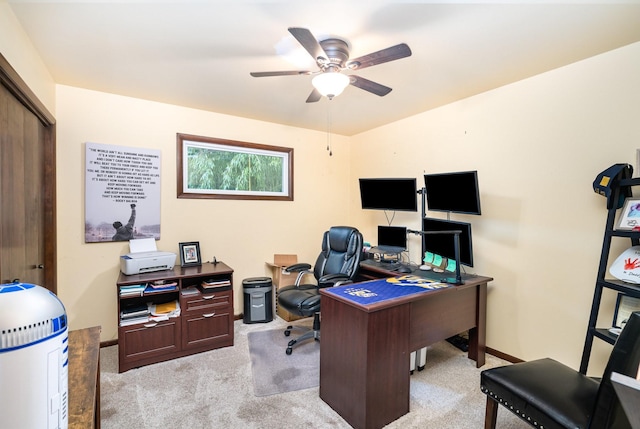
<point x="281" y="278"/>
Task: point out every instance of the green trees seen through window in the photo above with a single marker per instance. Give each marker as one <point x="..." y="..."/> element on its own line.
<point x="236" y="171"/>
<point x="215" y="168"/>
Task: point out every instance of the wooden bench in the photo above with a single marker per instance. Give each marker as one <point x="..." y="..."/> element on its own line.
<point x="84" y="378"/>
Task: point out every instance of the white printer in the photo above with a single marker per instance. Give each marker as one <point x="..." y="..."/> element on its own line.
<point x="144" y="257"/>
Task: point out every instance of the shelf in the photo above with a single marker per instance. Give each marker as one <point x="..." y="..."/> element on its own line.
<point x="150" y="296"/>
<point x="635" y="181"/>
<point x="604" y="334"/>
<point x="619" y="187"/>
<point x="630" y="289"/>
<point x="624" y="233"/>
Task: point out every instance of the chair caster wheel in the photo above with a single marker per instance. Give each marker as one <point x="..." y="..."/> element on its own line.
<point x="289" y="350"/>
<point x="291" y="343"/>
<point x="287" y="333"/>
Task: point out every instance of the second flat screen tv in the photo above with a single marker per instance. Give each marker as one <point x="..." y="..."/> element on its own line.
<point x="456" y="192"/>
<point x="389" y="194"/>
<point x="443" y="244"/>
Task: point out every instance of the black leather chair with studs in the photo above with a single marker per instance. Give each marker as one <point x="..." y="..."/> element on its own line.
<point x="547" y="394"/>
<point x="337" y="264"/>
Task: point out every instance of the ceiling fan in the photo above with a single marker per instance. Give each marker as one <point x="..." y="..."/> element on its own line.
<point x="332" y="57"/>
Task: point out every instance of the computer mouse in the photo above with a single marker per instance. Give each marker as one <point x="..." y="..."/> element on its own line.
<point x="403" y="269"/>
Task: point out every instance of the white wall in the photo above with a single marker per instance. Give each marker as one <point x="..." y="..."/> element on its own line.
<point x="16" y="47"/>
<point x="537" y="145"/>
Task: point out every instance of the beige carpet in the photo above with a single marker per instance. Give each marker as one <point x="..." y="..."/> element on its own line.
<point x="215" y="390"/>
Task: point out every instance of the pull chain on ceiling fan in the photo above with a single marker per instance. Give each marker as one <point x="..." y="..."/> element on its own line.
<point x="332" y="57"/>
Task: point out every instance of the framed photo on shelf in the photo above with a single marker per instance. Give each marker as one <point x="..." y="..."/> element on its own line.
<point x="625" y="305"/>
<point x="630" y="215"/>
<point x="190" y="254"/>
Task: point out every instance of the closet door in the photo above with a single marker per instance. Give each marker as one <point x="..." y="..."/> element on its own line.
<point x="27" y="184"/>
<point x="21" y="193"/>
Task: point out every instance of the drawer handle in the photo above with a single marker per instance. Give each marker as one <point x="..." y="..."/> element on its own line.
<point x="150" y="325"/>
<point x="208" y="315"/>
<point x="208" y="296"/>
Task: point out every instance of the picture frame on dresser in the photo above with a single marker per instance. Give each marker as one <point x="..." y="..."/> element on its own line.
<point x="190" y="254"/>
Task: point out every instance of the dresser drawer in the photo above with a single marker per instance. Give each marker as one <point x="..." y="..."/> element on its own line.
<point x="217" y="299"/>
<point x="207" y="329"/>
<point x="148" y="340"/>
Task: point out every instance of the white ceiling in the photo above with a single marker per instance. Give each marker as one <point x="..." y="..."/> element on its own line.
<point x="199" y="53"/>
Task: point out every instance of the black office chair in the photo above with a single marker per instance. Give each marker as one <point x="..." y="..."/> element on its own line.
<point x="337" y="264"/>
<point x="547" y="394"/>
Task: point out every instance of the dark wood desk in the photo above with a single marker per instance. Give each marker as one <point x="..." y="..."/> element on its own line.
<point x="84" y="378"/>
<point x="364" y="358"/>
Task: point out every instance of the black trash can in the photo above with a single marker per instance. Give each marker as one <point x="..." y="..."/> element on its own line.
<point x="258" y="300"/>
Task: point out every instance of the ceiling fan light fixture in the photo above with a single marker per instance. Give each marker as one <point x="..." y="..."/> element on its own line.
<point x="330" y="84"/>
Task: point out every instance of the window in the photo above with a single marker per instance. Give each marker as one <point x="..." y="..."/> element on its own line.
<point x="217" y="168"/>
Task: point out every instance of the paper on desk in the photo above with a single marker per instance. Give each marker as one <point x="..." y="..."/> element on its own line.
<point x="142" y="245"/>
<point x="168" y="309"/>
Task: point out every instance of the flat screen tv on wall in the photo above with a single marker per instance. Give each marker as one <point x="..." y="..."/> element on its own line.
<point x="444" y="244"/>
<point x="389" y="194"/>
<point x="456" y="192"/>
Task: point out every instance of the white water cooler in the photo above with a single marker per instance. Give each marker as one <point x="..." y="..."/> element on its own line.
<point x="33" y="358"/>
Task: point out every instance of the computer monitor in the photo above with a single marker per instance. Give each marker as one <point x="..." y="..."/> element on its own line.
<point x="389" y="194"/>
<point x="456" y="192"/>
<point x="392" y="239"/>
<point x="443" y="244"/>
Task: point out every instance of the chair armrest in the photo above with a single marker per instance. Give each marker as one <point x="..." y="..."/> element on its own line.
<point x="298" y="267"/>
<point x="332" y="279"/>
<point x="301" y="268"/>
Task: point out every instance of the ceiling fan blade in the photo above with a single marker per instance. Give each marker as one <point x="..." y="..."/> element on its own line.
<point x="368" y="85"/>
<point x="309" y="42"/>
<point x="280" y="73"/>
<point x="385" y="55"/>
<point x="314" y="96"/>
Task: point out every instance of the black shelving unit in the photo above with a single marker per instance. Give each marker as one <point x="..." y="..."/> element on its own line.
<point x="602" y="283"/>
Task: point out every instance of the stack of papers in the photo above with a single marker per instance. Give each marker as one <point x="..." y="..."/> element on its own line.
<point x="163" y="287"/>
<point x="163" y="283"/>
<point x="189" y="291"/>
<point x="134" y="314"/>
<point x="132" y="290"/>
<point x="209" y="284"/>
<point x="164" y="311"/>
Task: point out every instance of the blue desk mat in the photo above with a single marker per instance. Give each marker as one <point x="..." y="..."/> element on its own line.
<point x="383" y="289"/>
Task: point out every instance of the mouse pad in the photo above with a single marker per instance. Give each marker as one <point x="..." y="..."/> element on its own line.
<point x="383" y="289"/>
